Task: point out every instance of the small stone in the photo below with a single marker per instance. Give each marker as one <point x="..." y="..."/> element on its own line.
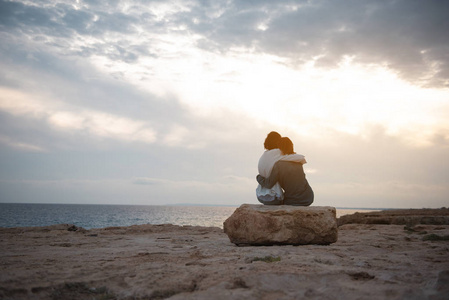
<point x="282" y="225"/>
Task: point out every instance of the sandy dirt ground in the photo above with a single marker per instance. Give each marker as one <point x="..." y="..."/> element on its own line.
<point x="369" y="261"/>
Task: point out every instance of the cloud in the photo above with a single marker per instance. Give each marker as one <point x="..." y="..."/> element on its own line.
<point x="377" y="170"/>
<point x="149" y="181"/>
<point x="20" y="146"/>
<point x="179" y="96"/>
<point x="178" y="136"/>
<point x="103" y="125"/>
<point x="70" y="118"/>
<point x="160" y="55"/>
<point x="406" y="36"/>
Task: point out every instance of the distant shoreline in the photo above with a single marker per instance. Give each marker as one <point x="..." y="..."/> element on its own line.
<point x="90" y="216"/>
<point x="218" y="205"/>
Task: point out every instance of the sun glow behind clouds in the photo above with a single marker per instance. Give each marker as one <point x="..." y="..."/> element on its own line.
<point x="348" y="98"/>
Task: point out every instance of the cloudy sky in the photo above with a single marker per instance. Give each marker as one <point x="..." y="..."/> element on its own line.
<point x="163" y="102"/>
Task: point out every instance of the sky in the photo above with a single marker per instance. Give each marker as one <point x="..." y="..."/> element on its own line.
<point x="166" y="102"/>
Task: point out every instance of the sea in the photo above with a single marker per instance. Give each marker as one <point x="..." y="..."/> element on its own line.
<point x="90" y="216"/>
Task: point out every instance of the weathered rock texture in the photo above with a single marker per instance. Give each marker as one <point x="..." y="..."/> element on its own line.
<point x="191" y="263"/>
<point x="408" y="217"/>
<point x="285" y="224"/>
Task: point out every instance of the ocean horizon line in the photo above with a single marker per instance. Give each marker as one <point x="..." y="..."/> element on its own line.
<point x="212" y="205"/>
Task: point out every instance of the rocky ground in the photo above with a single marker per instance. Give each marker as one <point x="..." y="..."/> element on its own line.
<point x="409" y="217"/>
<point x="369" y="261"/>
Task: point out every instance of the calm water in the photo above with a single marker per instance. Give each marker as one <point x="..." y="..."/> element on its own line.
<point x="99" y="216"/>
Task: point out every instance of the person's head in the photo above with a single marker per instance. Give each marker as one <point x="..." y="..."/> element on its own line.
<point x="286" y="146"/>
<point x="272" y="140"/>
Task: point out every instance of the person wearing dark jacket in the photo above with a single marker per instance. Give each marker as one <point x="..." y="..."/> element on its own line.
<point x="291" y="177"/>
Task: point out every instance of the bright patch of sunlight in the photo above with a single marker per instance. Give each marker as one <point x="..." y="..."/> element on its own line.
<point x="264" y="87"/>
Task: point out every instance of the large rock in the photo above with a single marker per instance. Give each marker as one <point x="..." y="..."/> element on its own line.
<point x="284" y="224"/>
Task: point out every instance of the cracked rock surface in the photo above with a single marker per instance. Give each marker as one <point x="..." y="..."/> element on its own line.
<point x="369" y="261"/>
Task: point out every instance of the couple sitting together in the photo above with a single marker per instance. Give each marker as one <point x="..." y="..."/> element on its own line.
<point x="281" y="175"/>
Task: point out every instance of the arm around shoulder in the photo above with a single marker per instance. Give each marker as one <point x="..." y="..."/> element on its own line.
<point x="294" y="158"/>
<point x="270" y="181"/>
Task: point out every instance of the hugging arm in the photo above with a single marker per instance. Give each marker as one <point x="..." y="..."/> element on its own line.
<point x="295" y="158"/>
<point x="270" y="181"/>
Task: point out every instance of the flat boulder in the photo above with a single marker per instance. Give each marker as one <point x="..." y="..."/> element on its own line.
<point x="265" y="225"/>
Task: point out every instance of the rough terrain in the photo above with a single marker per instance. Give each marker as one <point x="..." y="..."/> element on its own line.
<point x="369" y="261"/>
